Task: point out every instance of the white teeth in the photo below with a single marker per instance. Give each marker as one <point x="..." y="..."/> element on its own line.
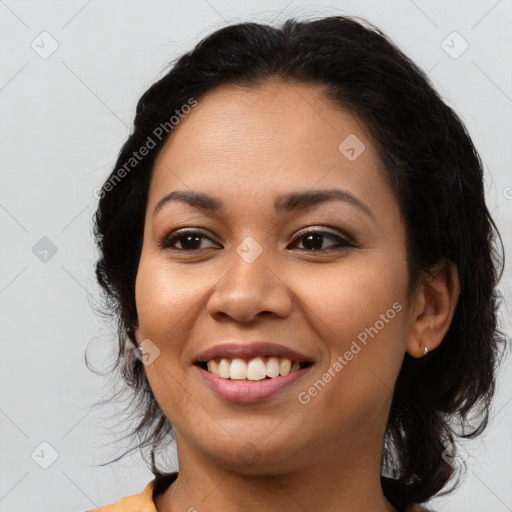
<point x="238" y="369"/>
<point x="273" y="367"/>
<point x="254" y="369"/>
<point x="224" y="367"/>
<point x="213" y="367"/>
<point x="285" y="366"/>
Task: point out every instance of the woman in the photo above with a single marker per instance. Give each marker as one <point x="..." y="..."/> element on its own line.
<point x="296" y="243"/>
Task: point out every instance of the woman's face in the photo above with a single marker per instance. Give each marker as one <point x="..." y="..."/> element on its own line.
<point x="326" y="279"/>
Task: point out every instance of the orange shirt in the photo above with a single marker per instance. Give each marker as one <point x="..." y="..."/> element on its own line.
<point x="143" y="502"/>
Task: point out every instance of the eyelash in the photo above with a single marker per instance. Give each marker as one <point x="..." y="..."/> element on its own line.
<point x="343" y="243"/>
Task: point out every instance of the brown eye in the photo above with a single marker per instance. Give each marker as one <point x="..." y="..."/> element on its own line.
<point x="187" y="240"/>
<point x="313" y="240"/>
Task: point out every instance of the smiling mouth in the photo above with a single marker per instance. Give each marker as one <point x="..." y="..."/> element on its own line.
<point x="254" y="369"/>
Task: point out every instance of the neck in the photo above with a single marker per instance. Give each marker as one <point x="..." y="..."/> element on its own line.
<point x="203" y="485"/>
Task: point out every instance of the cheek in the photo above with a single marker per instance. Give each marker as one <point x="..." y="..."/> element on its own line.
<point x="350" y="297"/>
<point x="164" y="296"/>
<point x="359" y="314"/>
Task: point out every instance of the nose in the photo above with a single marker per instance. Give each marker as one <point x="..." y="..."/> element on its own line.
<point x="249" y="289"/>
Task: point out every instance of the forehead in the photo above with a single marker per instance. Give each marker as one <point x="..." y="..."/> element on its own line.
<point x="263" y="141"/>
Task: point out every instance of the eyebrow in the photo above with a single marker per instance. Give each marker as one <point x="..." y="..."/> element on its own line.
<point x="289" y="202"/>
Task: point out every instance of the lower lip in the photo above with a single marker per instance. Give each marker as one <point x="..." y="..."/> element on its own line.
<point x="250" y="391"/>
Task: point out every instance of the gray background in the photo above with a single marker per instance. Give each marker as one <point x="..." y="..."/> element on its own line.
<point x="63" y="119"/>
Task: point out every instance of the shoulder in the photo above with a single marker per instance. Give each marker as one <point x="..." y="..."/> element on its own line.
<point x="141" y="502"/>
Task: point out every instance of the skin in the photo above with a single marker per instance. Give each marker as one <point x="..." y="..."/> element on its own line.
<point x="246" y="147"/>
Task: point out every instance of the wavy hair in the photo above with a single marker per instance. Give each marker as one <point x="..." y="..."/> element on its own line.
<point x="436" y="175"/>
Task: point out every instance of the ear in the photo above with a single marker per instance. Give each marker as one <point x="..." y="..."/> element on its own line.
<point x="434" y="305"/>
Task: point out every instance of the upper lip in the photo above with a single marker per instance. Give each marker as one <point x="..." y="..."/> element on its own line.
<point x="244" y="350"/>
